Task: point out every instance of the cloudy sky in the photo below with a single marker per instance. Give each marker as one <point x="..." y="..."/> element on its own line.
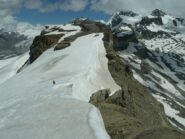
<point x="62" y="11"/>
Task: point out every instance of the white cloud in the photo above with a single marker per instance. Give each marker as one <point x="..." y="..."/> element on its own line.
<point x="33" y="4"/>
<point x="73" y="5"/>
<point x="49" y="8"/>
<point x="9" y="8"/>
<point x="142" y="6"/>
<point x="66" y="5"/>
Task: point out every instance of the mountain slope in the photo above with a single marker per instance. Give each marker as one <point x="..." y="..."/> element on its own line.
<point x="16" y="41"/>
<point x="71" y="65"/>
<point x="154" y="48"/>
<point x="31" y="99"/>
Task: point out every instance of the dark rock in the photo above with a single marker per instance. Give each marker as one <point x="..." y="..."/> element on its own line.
<point x="147" y="34"/>
<point x="116" y="21"/>
<point x="145" y="67"/>
<point x="158" y="13"/>
<point x="117" y="98"/>
<point x="142" y="52"/>
<point x="62" y="45"/>
<point x="175" y="22"/>
<point x="148" y="21"/>
<point x="42" y="43"/>
<point x="100" y="96"/>
<point x="111" y="56"/>
<point x="122" y="43"/>
<point x="180" y="20"/>
<point x="128" y="13"/>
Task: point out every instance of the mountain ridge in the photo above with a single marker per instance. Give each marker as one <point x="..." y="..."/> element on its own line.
<point x="155" y="49"/>
<point x="112" y="67"/>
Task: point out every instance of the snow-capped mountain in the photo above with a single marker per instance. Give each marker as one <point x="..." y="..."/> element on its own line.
<point x="154" y="47"/>
<point x="16" y="41"/>
<point x="76" y="86"/>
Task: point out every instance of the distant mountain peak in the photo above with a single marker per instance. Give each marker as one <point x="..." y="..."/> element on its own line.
<point x="158" y="12"/>
<point x="128" y="13"/>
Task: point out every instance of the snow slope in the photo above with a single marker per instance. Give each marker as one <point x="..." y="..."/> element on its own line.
<point x="9" y="67"/>
<point x="32" y="107"/>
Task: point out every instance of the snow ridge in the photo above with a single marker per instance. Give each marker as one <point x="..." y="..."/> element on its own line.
<point x="31" y="99"/>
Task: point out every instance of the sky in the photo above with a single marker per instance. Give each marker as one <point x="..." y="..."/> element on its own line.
<point x="13" y="12"/>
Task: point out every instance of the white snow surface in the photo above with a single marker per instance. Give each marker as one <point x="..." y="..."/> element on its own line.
<point x="9" y="67"/>
<point x="32" y="107"/>
<point x="172" y="113"/>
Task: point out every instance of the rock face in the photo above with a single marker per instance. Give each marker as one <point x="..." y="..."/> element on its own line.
<point x="42" y="43"/>
<point x="129" y="116"/>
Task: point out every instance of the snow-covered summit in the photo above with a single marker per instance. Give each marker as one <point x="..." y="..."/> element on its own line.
<point x="127" y="17"/>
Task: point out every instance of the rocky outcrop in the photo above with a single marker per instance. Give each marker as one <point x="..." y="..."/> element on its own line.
<point x="67" y="41"/>
<point x="42" y="43"/>
<point x="90" y="26"/>
<point x="180" y="20"/>
<point x="122" y="43"/>
<point x="141" y="118"/>
<point x="128" y="13"/>
<point x="158" y="13"/>
<point x="148" y="21"/>
<point x="100" y="96"/>
<point x="144" y="33"/>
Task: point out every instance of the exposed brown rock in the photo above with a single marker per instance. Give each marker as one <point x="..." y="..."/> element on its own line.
<point x="100" y="96"/>
<point x="42" y="43"/>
